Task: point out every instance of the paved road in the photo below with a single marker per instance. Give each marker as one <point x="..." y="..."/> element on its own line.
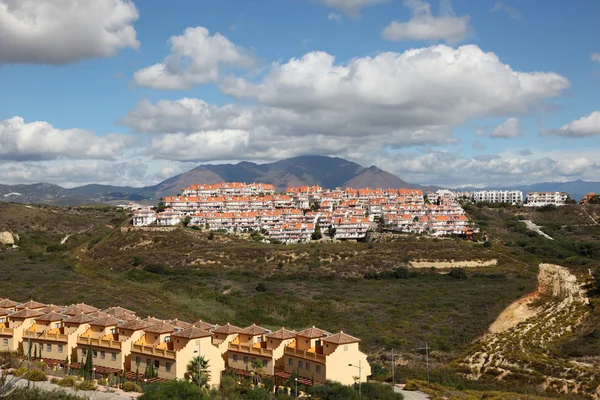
<point x="410" y="395"/>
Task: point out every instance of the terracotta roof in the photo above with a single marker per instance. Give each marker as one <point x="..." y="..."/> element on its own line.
<point x="192" y="333"/>
<point x="136" y="325"/>
<point x="7" y="303"/>
<point x="204" y="325"/>
<point x="282" y="334"/>
<point x="75" y="309"/>
<point x="98" y="315"/>
<point x="105" y="321"/>
<point x="227" y="329"/>
<point x="80" y="318"/>
<point x="31" y="304"/>
<point x="312" y="333"/>
<point x="179" y="324"/>
<point x="27" y="313"/>
<point x="253" y="330"/>
<point x="340" y="338"/>
<point x="3" y="312"/>
<point x="152" y="320"/>
<point x="52" y="308"/>
<point x="161" y="327"/>
<point x="118" y="312"/>
<point x="51" y="317"/>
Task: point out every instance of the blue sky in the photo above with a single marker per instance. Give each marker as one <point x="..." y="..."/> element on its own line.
<point x="454" y="93"/>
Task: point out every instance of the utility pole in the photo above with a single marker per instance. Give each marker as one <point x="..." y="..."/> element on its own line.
<point x="28" y="355"/>
<point x="393" y="374"/>
<point x="426" y="348"/>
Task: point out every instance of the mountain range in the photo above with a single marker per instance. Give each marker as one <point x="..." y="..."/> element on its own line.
<point x="328" y="172"/>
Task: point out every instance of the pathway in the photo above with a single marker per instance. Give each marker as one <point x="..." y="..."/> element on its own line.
<point x="536" y="229"/>
<point x="409" y="394"/>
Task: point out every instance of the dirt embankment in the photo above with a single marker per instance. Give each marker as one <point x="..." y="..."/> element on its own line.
<point x="520" y="342"/>
<point x="452" y="264"/>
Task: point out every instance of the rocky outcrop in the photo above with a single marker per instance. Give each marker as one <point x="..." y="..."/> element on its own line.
<point x="9" y="238"/>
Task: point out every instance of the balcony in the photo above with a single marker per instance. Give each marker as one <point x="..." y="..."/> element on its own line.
<point x="6" y="331"/>
<point x="56" y="337"/>
<point x="309" y="355"/>
<point x="153" y="351"/>
<point x="109" y="344"/>
<point x="251" y="350"/>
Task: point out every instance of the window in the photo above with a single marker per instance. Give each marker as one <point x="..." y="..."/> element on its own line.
<point x="168" y="339"/>
<point x="265" y="362"/>
<point x="2" y="319"/>
<point x="102" y="355"/>
<point x="318" y="369"/>
<point x="235" y="357"/>
<point x="113" y="330"/>
<point x="60" y="348"/>
<point x="57" y="325"/>
<point x="291" y="361"/>
<point x="300" y="364"/>
<point x="84" y="352"/>
<point x="156" y="364"/>
<point x="94" y="353"/>
<point x="245" y="359"/>
<point x="48" y="347"/>
<point x="259" y="339"/>
<point x="5" y="342"/>
<point x="148" y="361"/>
<point x="168" y="367"/>
<point x="137" y="361"/>
<point x="113" y="356"/>
<point x="308" y="366"/>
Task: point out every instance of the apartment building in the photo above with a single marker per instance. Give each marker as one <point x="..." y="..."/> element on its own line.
<point x="498" y="196"/>
<point x="15" y="328"/>
<point x="540" y="199"/>
<point x="144" y="217"/>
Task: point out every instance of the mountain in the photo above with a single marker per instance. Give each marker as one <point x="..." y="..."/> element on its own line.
<point x="576" y="189"/>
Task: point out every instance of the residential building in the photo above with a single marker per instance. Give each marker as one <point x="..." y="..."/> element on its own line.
<point x="540" y="199"/>
<point x="15" y="327"/>
<point x="144" y="217"/>
<point x="498" y="196"/>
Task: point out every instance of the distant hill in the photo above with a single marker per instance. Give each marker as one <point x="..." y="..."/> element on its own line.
<point x="328" y="172"/>
<point x="576" y="189"/>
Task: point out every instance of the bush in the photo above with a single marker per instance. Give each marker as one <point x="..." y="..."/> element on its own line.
<point x="131" y="387"/>
<point x="37" y="376"/>
<point x="54" y="380"/>
<point x="411" y="386"/>
<point x="487" y="244"/>
<point x="67" y="381"/>
<point x="160" y="269"/>
<point x="261" y="287"/>
<point x="458" y="273"/>
<point x="86" y="385"/>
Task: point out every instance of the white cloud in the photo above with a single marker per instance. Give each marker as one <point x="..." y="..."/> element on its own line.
<point x="477" y="145"/>
<point x="510" y="10"/>
<point x="351" y="7"/>
<point x="200" y="146"/>
<point x="509" y="129"/>
<point x="21" y="141"/>
<point x="595" y="57"/>
<point x="60" y="32"/>
<point x="334" y="17"/>
<point x="196" y="57"/>
<point x="424" y="26"/>
<point x="583" y="127"/>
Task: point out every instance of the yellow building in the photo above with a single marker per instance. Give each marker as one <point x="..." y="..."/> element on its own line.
<point x="223" y="335"/>
<point x="31" y="305"/>
<point x="8" y="305"/>
<point x="316" y="355"/>
<point x="48" y="338"/>
<point x="13" y="329"/>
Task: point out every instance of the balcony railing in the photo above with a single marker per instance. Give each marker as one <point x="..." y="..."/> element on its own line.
<point x="304" y="354"/>
<point x="110" y="344"/>
<point x="7" y="331"/>
<point x="56" y="337"/>
<point x="151" y="350"/>
<point x="251" y="350"/>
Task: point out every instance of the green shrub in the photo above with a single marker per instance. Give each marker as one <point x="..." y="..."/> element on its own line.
<point x="131" y="387"/>
<point x="37" y="376"/>
<point x="458" y="273"/>
<point x="54" y="380"/>
<point x="261" y="287"/>
<point x="67" y="381"/>
<point x="411" y="386"/>
<point x="86" y="385"/>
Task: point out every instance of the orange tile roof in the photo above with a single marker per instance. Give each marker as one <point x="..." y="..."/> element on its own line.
<point x="227" y="329"/>
<point x="340" y="338"/>
<point x="312" y="333"/>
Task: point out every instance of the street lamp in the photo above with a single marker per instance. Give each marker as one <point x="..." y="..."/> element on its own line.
<point x="296" y="380"/>
<point x="145" y="381"/>
<point x="359" y="378"/>
<point x="94" y="373"/>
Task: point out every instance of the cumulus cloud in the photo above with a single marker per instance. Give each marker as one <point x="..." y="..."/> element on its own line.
<point x="196" y="57"/>
<point x="424" y="26"/>
<point x="350" y="7"/>
<point x="446" y="168"/>
<point x="334" y="17"/>
<point x="60" y="32"/>
<point x="583" y="127"/>
<point x="595" y="57"/>
<point x="21" y="141"/>
<point x="510" y="10"/>
<point x="509" y="129"/>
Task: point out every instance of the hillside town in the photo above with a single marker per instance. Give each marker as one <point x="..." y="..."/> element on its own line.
<point x="303" y="213"/>
<point x="121" y="343"/>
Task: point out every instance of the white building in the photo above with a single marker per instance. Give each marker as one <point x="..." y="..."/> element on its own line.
<point x="498" y="196"/>
<point x="540" y="199"/>
<point x="144" y="217"/>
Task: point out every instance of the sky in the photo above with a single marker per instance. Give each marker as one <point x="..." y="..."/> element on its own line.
<point x="454" y="93"/>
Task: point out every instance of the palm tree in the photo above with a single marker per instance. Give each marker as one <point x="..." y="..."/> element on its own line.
<point x="195" y="366"/>
<point x="257" y="369"/>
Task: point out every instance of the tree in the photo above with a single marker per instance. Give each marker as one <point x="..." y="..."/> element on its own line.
<point x="87" y="367"/>
<point x="257" y="369"/>
<point x="316" y="235"/>
<point x="198" y="365"/>
<point x="596" y="275"/>
<point x="160" y="207"/>
<point x="211" y="235"/>
<point x="315" y="206"/>
<point x="331" y="231"/>
<point x="186" y="221"/>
